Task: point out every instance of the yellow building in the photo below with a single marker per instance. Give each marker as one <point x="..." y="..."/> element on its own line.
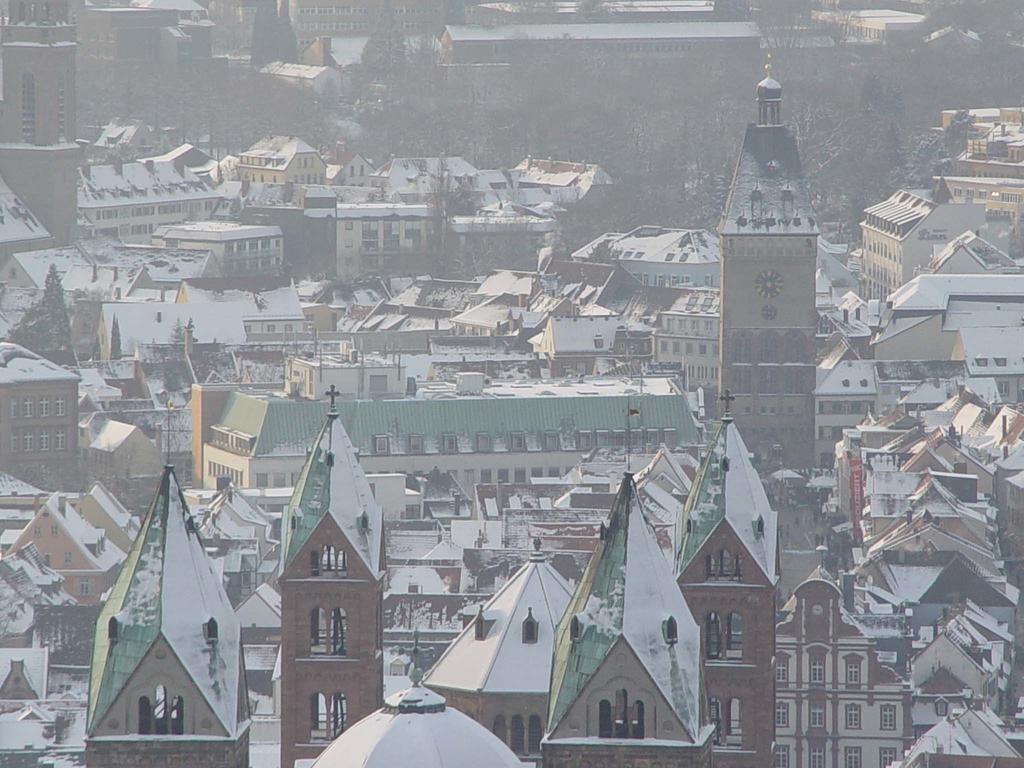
<point x="282" y="159"/>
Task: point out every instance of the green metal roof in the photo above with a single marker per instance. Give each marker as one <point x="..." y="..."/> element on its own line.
<point x="705" y="506"/>
<point x="113" y="664"/>
<point x="282" y="425"/>
<point x="309" y="503"/>
<point x="574" y="663"/>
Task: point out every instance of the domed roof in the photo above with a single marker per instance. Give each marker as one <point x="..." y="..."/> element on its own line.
<point x="769" y="88"/>
<point x="415" y="727"/>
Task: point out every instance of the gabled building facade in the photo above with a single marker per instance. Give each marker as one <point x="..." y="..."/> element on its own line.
<point x="836" y="705"/>
<point x="331" y="583"/>
<point x="627" y="683"/>
<point x="727" y="569"/>
<point x="168" y="676"/>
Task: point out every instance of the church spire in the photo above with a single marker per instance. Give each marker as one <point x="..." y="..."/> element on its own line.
<point x="769" y="99"/>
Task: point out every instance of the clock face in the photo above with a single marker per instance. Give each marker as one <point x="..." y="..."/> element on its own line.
<point x="768" y="311"/>
<point x="769" y="284"/>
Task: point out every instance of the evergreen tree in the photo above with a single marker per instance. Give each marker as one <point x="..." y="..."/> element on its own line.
<point x="115" y="341"/>
<point x="45" y="327"/>
<point x="385" y="53"/>
<point x="265" y="36"/>
<point x="178" y="332"/>
<point x="287" y="47"/>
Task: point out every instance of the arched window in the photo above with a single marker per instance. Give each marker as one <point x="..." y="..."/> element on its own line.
<point x="318" y="717"/>
<point x="604" y="719"/>
<point x="712" y="636"/>
<point x="160" y="711"/>
<point x="210" y="630"/>
<point x="734" y="641"/>
<point x="769" y="347"/>
<point x="178" y="716"/>
<point x="621" y="714"/>
<point x="328" y="559"/>
<point x="339" y="714"/>
<point x="715" y="717"/>
<point x="529" y="627"/>
<point x="711" y="566"/>
<point x="21" y="12"/>
<point x="113" y="630"/>
<point x="314" y="563"/>
<point x="318" y="631"/>
<point x="638" y="720"/>
<point x="574" y="629"/>
<point x="499" y="729"/>
<point x="145" y="715"/>
<point x="726" y="558"/>
<point x="734" y="724"/>
<point x="339" y="626"/>
<point x="517" y="735"/>
<point x="534" y="733"/>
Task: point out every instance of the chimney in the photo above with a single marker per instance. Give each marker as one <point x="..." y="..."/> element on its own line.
<point x="150" y="166"/>
<point x="115" y="274"/>
<point x="119" y="168"/>
<point x="326" y="60"/>
<point x="95" y="273"/>
<point x="189" y="337"/>
<point x="909" y="515"/>
<point x="1004" y="426"/>
<point x="846" y="315"/>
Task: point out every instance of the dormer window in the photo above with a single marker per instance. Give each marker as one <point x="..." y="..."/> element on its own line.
<point x="670" y="629"/>
<point x="941" y="707"/>
<point x="530" y="627"/>
<point x="113" y="630"/>
<point x="574" y="629"/>
<point x="364" y="522"/>
<point x="210" y="631"/>
<point x="598" y="341"/>
<point x="759" y="526"/>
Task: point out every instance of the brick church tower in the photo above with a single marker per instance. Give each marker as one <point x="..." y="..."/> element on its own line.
<point x="332" y="591"/>
<point x="167" y="684"/>
<point x="39" y="158"/>
<point x="727" y="566"/>
<point x="769" y="241"/>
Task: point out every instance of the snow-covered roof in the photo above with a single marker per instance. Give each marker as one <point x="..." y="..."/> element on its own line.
<point x="12" y="486"/>
<point x="639" y="30"/>
<point x="274" y="304"/>
<point x="848" y="378"/>
<point x="294" y="71"/>
<point x="155" y="322"/>
<point x="278" y="150"/>
<point x="111" y="435"/>
<point x="728" y="490"/>
<point x="417" y="728"/>
<point x="214" y="231"/>
<point x="934" y="292"/>
<point x="168" y="589"/>
<point x="333" y="483"/>
<point x="628" y="594"/>
<point x="972" y="732"/>
<point x="500" y="661"/>
<point x="593" y="335"/>
<point x="20" y="366"/>
<point x="658" y="245"/>
<point x="17" y="223"/>
<point x="139" y="183"/>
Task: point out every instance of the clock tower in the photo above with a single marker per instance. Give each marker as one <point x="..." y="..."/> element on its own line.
<point x="768" y="235"/>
